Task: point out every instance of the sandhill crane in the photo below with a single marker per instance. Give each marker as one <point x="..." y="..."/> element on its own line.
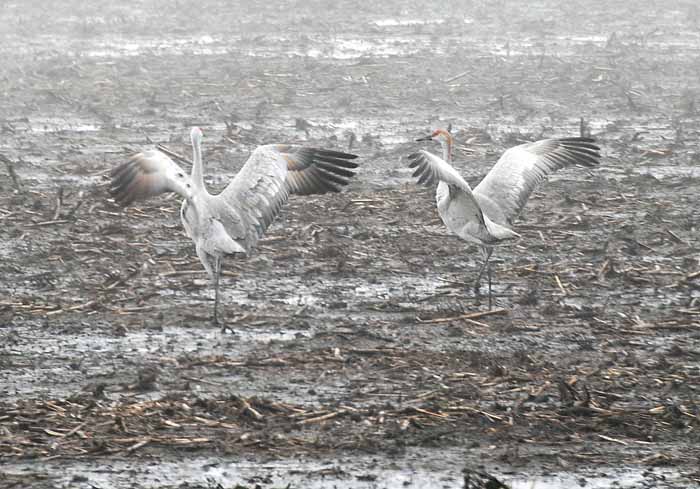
<point x="485" y="216"/>
<point x="233" y="221"/>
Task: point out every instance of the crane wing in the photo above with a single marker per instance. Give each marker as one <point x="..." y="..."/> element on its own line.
<point x="272" y="172"/>
<point x="458" y="207"/>
<point x="506" y="188"/>
<point x="317" y="171"/>
<point x="148" y="174"/>
<point x="431" y="169"/>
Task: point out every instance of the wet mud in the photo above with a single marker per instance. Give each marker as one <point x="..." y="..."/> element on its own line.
<point x="359" y="354"/>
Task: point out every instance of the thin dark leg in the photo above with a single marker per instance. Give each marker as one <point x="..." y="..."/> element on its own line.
<point x="217" y="272"/>
<point x="477" y="284"/>
<point x="489" y="272"/>
<point x="487" y="254"/>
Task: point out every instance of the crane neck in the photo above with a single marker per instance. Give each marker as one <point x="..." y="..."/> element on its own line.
<point x="446" y="150"/>
<point x="197" y="170"/>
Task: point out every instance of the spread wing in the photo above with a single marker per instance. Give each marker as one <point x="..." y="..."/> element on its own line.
<point x="146" y="175"/>
<point x="506" y="188"/>
<point x="317" y="171"/>
<point x="431" y="169"/>
<point x="272" y="172"/>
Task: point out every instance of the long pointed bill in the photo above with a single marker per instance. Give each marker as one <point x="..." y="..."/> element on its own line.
<point x="426" y="138"/>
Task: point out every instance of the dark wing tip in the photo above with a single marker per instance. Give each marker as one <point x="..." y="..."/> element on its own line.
<point x="580" y="139"/>
<point x="422" y="172"/>
<point x="124" y="183"/>
<point x="584" y="143"/>
<point x="579" y="150"/>
<point x="319" y="171"/>
<point x="415" y="159"/>
<point x="335" y="154"/>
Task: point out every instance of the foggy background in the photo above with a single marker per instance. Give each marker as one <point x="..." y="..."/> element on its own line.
<point x="379" y="73"/>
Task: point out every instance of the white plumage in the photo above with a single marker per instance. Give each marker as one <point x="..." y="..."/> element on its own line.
<point x="232" y="221"/>
<point x="484" y="216"/>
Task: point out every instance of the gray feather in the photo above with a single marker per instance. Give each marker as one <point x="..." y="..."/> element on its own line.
<point x="506" y="188"/>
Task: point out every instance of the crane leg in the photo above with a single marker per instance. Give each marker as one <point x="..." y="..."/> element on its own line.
<point x="217" y="273"/>
<point x="489" y="272"/>
<point x="487" y="254"/>
<point x="486" y="267"/>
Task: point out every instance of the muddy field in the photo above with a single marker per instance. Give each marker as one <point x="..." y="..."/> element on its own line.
<point x="360" y="356"/>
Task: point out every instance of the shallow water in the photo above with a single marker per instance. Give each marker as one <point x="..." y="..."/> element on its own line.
<point x="392" y="37"/>
<point x="411" y="470"/>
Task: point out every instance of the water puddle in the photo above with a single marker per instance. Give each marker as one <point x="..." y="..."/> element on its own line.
<point x="118" y="48"/>
<point x="426" y="470"/>
<point x="303" y="300"/>
<point x="78" y="357"/>
<point x="391" y="22"/>
<point x="47" y="125"/>
<point x="661" y="172"/>
<point x="270" y="46"/>
<point x="624" y="478"/>
<point x="343" y="49"/>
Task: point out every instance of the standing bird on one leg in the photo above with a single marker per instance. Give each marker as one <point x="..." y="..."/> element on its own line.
<point x="234" y="220"/>
<point x="485" y="216"/>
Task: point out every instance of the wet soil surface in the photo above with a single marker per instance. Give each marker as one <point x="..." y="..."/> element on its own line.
<point x="359" y="355"/>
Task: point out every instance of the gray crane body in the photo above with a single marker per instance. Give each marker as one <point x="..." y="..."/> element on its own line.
<point x="233" y="221"/>
<point x="485" y="215"/>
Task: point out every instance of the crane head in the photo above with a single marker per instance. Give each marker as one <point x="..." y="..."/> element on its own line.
<point x="443" y="137"/>
<point x="440" y="135"/>
<point x="196" y="134"/>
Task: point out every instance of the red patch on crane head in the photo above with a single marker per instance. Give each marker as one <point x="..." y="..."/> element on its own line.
<point x="442" y="132"/>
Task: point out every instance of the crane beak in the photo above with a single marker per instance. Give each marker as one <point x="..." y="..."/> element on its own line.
<point x="426" y="138"/>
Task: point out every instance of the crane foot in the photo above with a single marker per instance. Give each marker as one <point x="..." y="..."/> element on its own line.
<point x="225" y="328"/>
